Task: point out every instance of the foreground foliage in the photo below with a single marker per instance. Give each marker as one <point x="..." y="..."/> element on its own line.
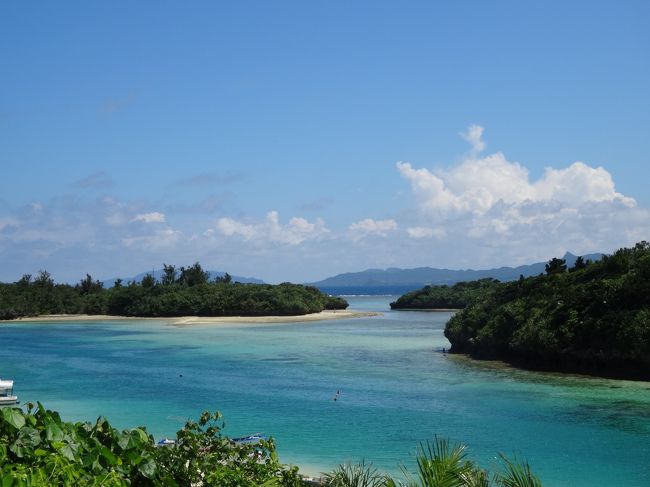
<point x="38" y="449"/>
<point x="356" y="475"/>
<point x="593" y="318"/>
<point x="177" y="294"/>
<point x="439" y="464"/>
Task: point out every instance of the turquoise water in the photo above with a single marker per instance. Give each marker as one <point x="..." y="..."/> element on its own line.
<point x="397" y="389"/>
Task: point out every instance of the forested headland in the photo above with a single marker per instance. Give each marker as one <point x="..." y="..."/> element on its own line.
<point x="186" y="291"/>
<point x="593" y="318"/>
<point x="457" y="296"/>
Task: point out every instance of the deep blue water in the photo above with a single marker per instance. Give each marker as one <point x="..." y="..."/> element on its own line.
<point x="397" y="389"/>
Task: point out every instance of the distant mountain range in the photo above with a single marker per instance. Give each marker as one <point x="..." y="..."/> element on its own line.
<point x="399" y="281"/>
<point x="393" y="280"/>
<point x="158" y="273"/>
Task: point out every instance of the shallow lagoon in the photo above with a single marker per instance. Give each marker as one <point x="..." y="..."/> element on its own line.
<point x="397" y="389"/>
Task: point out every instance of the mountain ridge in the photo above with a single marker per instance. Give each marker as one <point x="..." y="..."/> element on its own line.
<point x="395" y="280"/>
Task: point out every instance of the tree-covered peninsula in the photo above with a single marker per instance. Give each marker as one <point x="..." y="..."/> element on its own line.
<point x="180" y="292"/>
<point x="592" y="318"/>
<point x="457" y="296"/>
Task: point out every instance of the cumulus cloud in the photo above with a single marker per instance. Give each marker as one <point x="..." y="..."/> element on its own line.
<point x="430" y="189"/>
<point x="479" y="184"/>
<point x="153" y="217"/>
<point x="298" y="230"/>
<point x="483" y="211"/>
<point x="474" y="136"/>
<point x="368" y="226"/>
<point x="495" y="203"/>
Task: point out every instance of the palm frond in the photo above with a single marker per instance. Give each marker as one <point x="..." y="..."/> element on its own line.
<point x="516" y="474"/>
<point x="442" y="464"/>
<point x="356" y="475"/>
<point x="475" y="478"/>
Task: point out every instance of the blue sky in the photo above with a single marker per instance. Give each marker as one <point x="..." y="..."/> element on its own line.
<point x="263" y="138"/>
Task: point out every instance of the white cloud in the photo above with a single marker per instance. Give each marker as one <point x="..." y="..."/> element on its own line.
<point x="491" y="209"/>
<point x="368" y="226"/>
<point x="153" y="217"/>
<point x="165" y="238"/>
<point x="430" y="188"/>
<point x="481" y="212"/>
<point x="479" y="184"/>
<point x="578" y="184"/>
<point x="230" y="227"/>
<point x="295" y="232"/>
<point x="474" y="136"/>
<point x="6" y="222"/>
<point x="426" y="232"/>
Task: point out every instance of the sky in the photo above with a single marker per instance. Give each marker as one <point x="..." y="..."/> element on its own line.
<point x="292" y="141"/>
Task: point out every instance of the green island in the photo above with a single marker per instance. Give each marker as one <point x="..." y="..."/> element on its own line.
<point x="183" y="292"/>
<point x="593" y="318"/>
<point x="37" y="448"/>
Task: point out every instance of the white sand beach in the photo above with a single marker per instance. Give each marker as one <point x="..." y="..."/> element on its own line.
<point x="202" y="320"/>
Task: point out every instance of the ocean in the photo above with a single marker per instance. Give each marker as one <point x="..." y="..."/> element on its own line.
<point x="397" y="389"/>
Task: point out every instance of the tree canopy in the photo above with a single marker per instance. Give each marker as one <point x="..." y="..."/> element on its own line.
<point x="594" y="319"/>
<point x="189" y="294"/>
<point x="457" y="296"/>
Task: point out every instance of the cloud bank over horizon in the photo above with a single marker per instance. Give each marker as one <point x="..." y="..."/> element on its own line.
<point x="487" y="202"/>
<point x="482" y="211"/>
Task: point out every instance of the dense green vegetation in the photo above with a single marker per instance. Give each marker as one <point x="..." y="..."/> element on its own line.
<point x="187" y="292"/>
<point x="440" y="463"/>
<point x="38" y="449"/>
<point x="457" y="296"/>
<point x="592" y="318"/>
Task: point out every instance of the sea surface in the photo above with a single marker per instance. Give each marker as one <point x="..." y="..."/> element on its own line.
<point x="397" y="389"/>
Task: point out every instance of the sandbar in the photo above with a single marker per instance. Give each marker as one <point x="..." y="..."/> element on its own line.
<point x="203" y="320"/>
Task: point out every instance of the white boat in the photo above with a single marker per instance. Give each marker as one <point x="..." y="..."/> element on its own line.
<point x="166" y="442"/>
<point x="6" y="393"/>
<point x="253" y="439"/>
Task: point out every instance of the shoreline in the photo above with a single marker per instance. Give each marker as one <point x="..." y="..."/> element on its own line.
<point x="570" y="372"/>
<point x="201" y="320"/>
<point x="430" y="310"/>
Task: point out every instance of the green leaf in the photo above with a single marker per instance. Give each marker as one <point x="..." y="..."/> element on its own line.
<point x="14" y="417"/>
<point x="108" y="455"/>
<point x="148" y="468"/>
<point x="53" y="431"/>
<point x="57" y="445"/>
<point x="28" y="439"/>
<point x="134" y="438"/>
<point x="70" y="451"/>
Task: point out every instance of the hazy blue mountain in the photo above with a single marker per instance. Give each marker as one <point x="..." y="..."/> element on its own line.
<point x="397" y="281"/>
<point x="159" y="272"/>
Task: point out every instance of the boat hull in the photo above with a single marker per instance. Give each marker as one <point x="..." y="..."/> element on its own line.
<point x="8" y="400"/>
